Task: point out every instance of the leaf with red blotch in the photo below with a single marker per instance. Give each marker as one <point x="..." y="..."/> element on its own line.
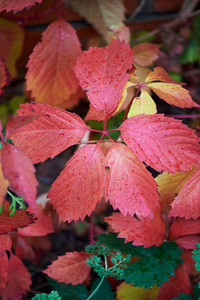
<point x="128" y="185"/>
<point x="172" y="146"/>
<point x="182" y="227"/>
<point x="18" y="220"/>
<point x="4" y="75"/>
<point x="16" y="5"/>
<point x="5" y="242"/>
<point x="102" y="14"/>
<point x="79" y="187"/>
<point x="19" y="171"/>
<point x="18" y="280"/>
<point x="168" y="89"/>
<point x="143" y="231"/>
<point x="42" y="226"/>
<point x="50" y="134"/>
<point x="187" y="204"/>
<point x="145" y="53"/>
<point x="102" y="73"/>
<point x="12" y="38"/>
<point x="69" y="268"/>
<point x="180" y="283"/>
<point x="50" y="75"/>
<point x="3" y="270"/>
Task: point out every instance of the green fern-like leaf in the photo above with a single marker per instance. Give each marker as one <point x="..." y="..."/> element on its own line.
<point x="52" y="296"/>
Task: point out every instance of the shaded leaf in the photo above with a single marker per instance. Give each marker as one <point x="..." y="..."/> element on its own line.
<point x="5" y="242"/>
<point x="130" y="292"/>
<point x="69" y="268"/>
<point x="172" y="146"/>
<point x="70" y="292"/>
<point x="181" y="227"/>
<point x="16" y="5"/>
<point x="75" y="193"/>
<point x="4" y="75"/>
<point x="145" y="53"/>
<point x="102" y="73"/>
<point x="50" y="75"/>
<point x="50" y="134"/>
<point x="104" y="292"/>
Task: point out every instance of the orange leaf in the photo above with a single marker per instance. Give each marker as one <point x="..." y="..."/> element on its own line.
<point x="69" y="268"/>
<point x="16" y="5"/>
<point x="50" y="74"/>
<point x="145" y="54"/>
<point x="130" y="292"/>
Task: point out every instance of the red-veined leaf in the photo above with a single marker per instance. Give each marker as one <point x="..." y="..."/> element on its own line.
<point x="18" y="220"/>
<point x="79" y="187"/>
<point x="143" y="231"/>
<point x="102" y="73"/>
<point x="128" y="185"/>
<point x="5" y="242"/>
<point x="50" y="75"/>
<point x="187" y="203"/>
<point x="18" y="280"/>
<point x="50" y="134"/>
<point x="145" y="53"/>
<point x="3" y="270"/>
<point x="69" y="268"/>
<point x="162" y="143"/>
<point x="19" y="171"/>
<point x="16" y="5"/>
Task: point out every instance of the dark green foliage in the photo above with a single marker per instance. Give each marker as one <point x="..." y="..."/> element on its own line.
<point x="154" y="267"/>
<point x="70" y="292"/>
<point x="52" y="296"/>
<point x="196" y="295"/>
<point x="104" y="292"/>
<point x="196" y="258"/>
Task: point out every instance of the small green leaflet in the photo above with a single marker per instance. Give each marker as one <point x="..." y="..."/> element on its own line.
<point x="52" y="296"/>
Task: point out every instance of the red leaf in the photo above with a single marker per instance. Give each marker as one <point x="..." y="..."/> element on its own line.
<point x="172" y="146"/>
<point x="79" y="187"/>
<point x="144" y="231"/>
<point x="18" y="280"/>
<point x="69" y="268"/>
<point x="4" y="75"/>
<point x="180" y="283"/>
<point x="102" y="73"/>
<point x="3" y="270"/>
<point x="94" y="114"/>
<point x="145" y="53"/>
<point x="16" y="122"/>
<point x="50" y="134"/>
<point x="19" y="170"/>
<point x="16" y="5"/>
<point x="18" y="220"/>
<point x="182" y="227"/>
<point x="188" y="242"/>
<point x="50" y="73"/>
<point x="129" y="186"/>
<point x="5" y="242"/>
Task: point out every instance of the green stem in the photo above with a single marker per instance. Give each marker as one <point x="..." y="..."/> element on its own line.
<point x="98" y="286"/>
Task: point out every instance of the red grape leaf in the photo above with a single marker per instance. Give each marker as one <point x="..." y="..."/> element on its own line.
<point x="102" y="73"/>
<point x="42" y="226"/>
<point x="18" y="220"/>
<point x="143" y="231"/>
<point x="3" y="270"/>
<point x="102" y="14"/>
<point x="79" y="186"/>
<point x="19" y="171"/>
<point x="145" y="53"/>
<point x="69" y="268"/>
<point x="180" y="283"/>
<point x="18" y="279"/>
<point x="5" y="242"/>
<point x="172" y="146"/>
<point x="187" y="203"/>
<point x="50" y="75"/>
<point x="50" y="134"/>
<point x="16" y="5"/>
<point x="11" y="37"/>
<point x="128" y="185"/>
<point x="182" y="227"/>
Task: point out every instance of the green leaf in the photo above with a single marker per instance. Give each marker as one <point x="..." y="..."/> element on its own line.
<point x="196" y="295"/>
<point x="104" y="292"/>
<point x="70" y="292"/>
<point x="52" y="296"/>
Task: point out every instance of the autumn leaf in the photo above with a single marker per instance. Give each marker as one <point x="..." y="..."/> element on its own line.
<point x="186" y="204"/>
<point x="94" y="114"/>
<point x="102" y="14"/>
<point x="4" y="75"/>
<point x="3" y="270"/>
<point x="143" y="231"/>
<point x="145" y="54"/>
<point x="19" y="171"/>
<point x="182" y="227"/>
<point x="130" y="292"/>
<point x="5" y="242"/>
<point x="3" y="183"/>
<point x="102" y="73"/>
<point x="11" y="37"/>
<point x="50" y="75"/>
<point x="172" y="146"/>
<point x="50" y="134"/>
<point x="16" y="5"/>
<point x="128" y="185"/>
<point x="69" y="268"/>
<point x="18" y="220"/>
<point x="18" y="280"/>
<point x="79" y="187"/>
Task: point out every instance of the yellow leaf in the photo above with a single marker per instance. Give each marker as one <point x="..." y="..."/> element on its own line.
<point x="127" y="95"/>
<point x="130" y="292"/>
<point x="142" y="105"/>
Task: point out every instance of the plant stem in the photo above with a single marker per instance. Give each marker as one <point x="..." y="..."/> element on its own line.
<point x="98" y="286"/>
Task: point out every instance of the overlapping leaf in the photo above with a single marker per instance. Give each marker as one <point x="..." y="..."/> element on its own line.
<point x="5" y="242"/>
<point x="69" y="268"/>
<point x="3" y="270"/>
<point x="145" y="53"/>
<point x="182" y="227"/>
<point x="50" y="74"/>
<point x="129" y="186"/>
<point x="128" y="291"/>
<point x="4" y="75"/>
<point x="172" y="146"/>
<point x="79" y="187"/>
<point x="16" y="5"/>
<point x="102" y="73"/>
<point x="187" y="204"/>
<point x="51" y="133"/>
